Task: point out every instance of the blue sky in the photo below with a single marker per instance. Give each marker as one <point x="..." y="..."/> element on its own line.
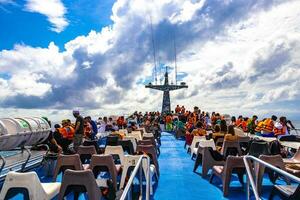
<point x="238" y="57"/>
<point x="32" y="29"/>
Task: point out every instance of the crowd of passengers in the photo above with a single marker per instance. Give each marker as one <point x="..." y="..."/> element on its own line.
<point x="197" y="123"/>
<point x="220" y="141"/>
<point x="85" y="128"/>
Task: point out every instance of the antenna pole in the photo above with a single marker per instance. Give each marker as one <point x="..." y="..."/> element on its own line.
<point x="175" y="58"/>
<point x="154" y="52"/>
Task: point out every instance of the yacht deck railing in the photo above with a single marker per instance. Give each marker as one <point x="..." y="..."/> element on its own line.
<point x="138" y="168"/>
<point x="250" y="179"/>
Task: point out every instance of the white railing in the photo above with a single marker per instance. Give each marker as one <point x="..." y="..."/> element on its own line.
<point x="250" y="179"/>
<point x="138" y="168"/>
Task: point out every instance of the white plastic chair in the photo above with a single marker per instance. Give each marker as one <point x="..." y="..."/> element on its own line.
<point x="130" y="161"/>
<point x="136" y="134"/>
<point x="116" y="150"/>
<point x="30" y="181"/>
<point x="207" y="143"/>
<point x="123" y="131"/>
<point x="133" y="141"/>
<point x="203" y="143"/>
<point x="148" y="135"/>
<point x="196" y="139"/>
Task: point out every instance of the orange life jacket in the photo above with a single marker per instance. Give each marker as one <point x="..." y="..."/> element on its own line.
<point x="238" y="122"/>
<point x="168" y="119"/>
<point x="199" y="132"/>
<point x="67" y="132"/>
<point x="268" y="125"/>
<point x="177" y="109"/>
<point x="281" y="131"/>
<point x="259" y="126"/>
<point x="244" y="126"/>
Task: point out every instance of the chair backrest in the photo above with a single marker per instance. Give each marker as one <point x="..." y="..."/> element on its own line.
<point x="219" y="141"/>
<point x="196" y="140"/>
<point x="297" y="155"/>
<point x="28" y="181"/>
<point x="124" y="131"/>
<point x="275" y="160"/>
<point x="148" y="135"/>
<point x="151" y="151"/>
<point x="82" y="181"/>
<point x="136" y="134"/>
<point x="207" y="143"/>
<point x="127" y="146"/>
<point x="244" y="139"/>
<point x="86" y="152"/>
<point x="239" y="132"/>
<point x="104" y="163"/>
<point x="233" y="162"/>
<point x="133" y="141"/>
<point x="145" y="142"/>
<point x="92" y="143"/>
<point x="258" y="148"/>
<point x="67" y="162"/>
<point x="112" y="140"/>
<point x="115" y="150"/>
<point x="231" y="148"/>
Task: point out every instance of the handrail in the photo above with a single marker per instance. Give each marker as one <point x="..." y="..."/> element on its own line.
<point x="139" y="166"/>
<point x="250" y="177"/>
<point x="3" y="163"/>
<point x="27" y="160"/>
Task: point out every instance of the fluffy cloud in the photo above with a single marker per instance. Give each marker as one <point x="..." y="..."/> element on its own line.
<point x="239" y="56"/>
<point x="54" y="10"/>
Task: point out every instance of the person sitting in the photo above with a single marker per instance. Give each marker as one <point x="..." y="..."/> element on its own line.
<point x="233" y="121"/>
<point x="280" y="128"/>
<point x="230" y="135"/>
<point x="223" y="126"/>
<point x="217" y="132"/>
<point x="132" y="127"/>
<point x="88" y="129"/>
<point x="244" y="124"/>
<point x="64" y="135"/>
<point x="252" y="124"/>
<point x="94" y="127"/>
<point x="259" y="127"/>
<point x="268" y="128"/>
<point x="239" y="121"/>
<point x="199" y="131"/>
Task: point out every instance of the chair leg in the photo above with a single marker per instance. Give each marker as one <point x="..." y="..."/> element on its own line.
<point x="272" y="194"/>
<point x="241" y="177"/>
<point x="123" y="177"/>
<point x="211" y="178"/>
<point x="197" y="162"/>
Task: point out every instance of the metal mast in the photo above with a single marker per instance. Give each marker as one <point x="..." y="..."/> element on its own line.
<point x="166" y="88"/>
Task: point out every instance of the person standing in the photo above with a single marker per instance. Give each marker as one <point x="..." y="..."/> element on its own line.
<point x="79" y="129"/>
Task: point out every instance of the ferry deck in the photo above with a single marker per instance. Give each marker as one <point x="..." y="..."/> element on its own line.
<point x="176" y="181"/>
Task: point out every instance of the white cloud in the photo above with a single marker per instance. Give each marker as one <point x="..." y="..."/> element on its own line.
<point x="245" y="62"/>
<point x="54" y="10"/>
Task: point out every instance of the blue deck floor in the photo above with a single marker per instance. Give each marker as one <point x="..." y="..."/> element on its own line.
<point x="178" y="181"/>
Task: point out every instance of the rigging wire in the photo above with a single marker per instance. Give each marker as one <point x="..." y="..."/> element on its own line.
<point x="175" y="58"/>
<point x="154" y="51"/>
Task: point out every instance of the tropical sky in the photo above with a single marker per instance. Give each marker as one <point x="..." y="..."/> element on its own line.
<point x="237" y="57"/>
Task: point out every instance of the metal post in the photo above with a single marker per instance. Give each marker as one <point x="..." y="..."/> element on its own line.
<point x="248" y="187"/>
<point x="148" y="179"/>
<point x="141" y="180"/>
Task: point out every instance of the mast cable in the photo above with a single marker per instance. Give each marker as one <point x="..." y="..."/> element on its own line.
<point x="154" y="52"/>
